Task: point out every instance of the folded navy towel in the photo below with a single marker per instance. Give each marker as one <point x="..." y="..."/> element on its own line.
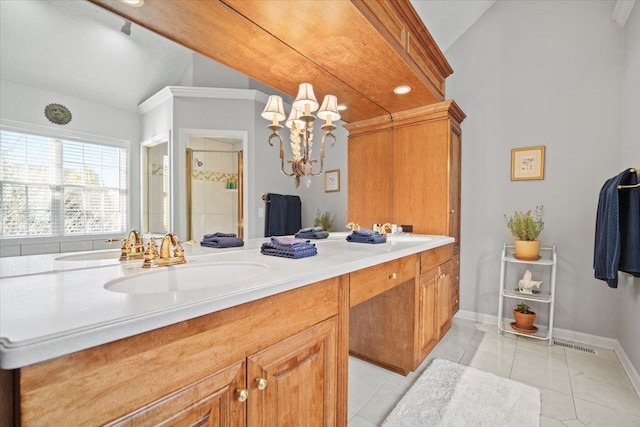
<point x="366" y="236"/>
<point x="218" y="234"/>
<point x="312" y="233"/>
<point x="222" y="242"/>
<point x="295" y="254"/>
<point x="288" y="248"/>
<point x="289" y="242"/>
<point x="364" y="232"/>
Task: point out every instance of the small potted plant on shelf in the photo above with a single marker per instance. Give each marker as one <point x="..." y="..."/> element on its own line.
<point x="525" y="228"/>
<point x="524" y="318"/>
<point x="324" y="220"/>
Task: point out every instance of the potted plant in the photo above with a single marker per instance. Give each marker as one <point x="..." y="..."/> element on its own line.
<point x="324" y="220"/>
<point x="525" y="228"/>
<point x="524" y="318"/>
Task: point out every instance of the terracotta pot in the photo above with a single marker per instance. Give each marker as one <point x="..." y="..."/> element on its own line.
<point x="524" y="321"/>
<point x="527" y="249"/>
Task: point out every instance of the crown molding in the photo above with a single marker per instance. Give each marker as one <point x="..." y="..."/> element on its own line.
<point x="621" y="11"/>
<point x="169" y="92"/>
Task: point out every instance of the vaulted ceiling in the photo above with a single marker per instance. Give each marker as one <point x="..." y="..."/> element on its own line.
<point x="78" y="49"/>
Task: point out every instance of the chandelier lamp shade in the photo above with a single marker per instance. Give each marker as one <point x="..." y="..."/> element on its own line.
<point x="300" y="124"/>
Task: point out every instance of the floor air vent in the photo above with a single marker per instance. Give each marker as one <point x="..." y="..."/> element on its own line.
<point x="580" y="347"/>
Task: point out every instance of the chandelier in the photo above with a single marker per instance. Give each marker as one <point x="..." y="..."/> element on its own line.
<point x="300" y="124"/>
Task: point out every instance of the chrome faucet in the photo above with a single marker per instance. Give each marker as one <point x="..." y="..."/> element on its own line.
<point x="171" y="252"/>
<point x="132" y="246"/>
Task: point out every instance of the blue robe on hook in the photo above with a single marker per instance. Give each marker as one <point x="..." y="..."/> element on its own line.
<point x="617" y="242"/>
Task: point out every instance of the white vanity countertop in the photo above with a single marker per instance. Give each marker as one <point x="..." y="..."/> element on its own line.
<point x="52" y="305"/>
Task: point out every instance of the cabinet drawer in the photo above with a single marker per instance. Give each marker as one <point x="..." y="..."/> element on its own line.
<point x="372" y="281"/>
<point x="434" y="257"/>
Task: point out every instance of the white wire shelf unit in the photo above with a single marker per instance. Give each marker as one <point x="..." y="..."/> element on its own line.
<point x="546" y="295"/>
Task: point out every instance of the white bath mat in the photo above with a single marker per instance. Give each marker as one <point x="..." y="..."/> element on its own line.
<point x="448" y="394"/>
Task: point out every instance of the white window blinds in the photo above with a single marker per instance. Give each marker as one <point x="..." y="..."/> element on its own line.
<point x="54" y="187"/>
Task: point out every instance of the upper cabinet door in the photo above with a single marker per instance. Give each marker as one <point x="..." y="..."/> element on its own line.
<point x="370" y="161"/>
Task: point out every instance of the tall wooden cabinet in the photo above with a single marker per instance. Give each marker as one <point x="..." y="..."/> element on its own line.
<point x="426" y="169"/>
<point x="413" y="156"/>
<point x="404" y="168"/>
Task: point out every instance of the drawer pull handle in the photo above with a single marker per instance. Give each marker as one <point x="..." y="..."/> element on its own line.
<point x="262" y="383"/>
<point x="392" y="275"/>
<point x="242" y="395"/>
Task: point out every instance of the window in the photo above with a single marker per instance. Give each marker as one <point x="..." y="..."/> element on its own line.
<point x="55" y="187"/>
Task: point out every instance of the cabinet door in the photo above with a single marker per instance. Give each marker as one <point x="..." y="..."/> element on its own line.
<point x="455" y="140"/>
<point x="370" y="160"/>
<point x="294" y="382"/>
<point x="455" y="284"/>
<point x="443" y="298"/>
<point x="209" y="402"/>
<point x="421" y="177"/>
<point x="428" y="332"/>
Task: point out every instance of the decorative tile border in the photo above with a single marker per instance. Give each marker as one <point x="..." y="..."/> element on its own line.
<point x="213" y="176"/>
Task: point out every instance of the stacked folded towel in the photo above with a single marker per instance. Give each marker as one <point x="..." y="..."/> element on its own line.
<point x="366" y="236"/>
<point x="288" y="247"/>
<point x="312" y="233"/>
<point x="221" y="240"/>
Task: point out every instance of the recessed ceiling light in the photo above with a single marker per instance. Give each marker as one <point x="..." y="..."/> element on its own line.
<point x="401" y="90"/>
<point x="134" y="3"/>
<point x="342" y="107"/>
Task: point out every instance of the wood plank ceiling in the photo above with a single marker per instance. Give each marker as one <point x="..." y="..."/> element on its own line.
<point x="358" y="50"/>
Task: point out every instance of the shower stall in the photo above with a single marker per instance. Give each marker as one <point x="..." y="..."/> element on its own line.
<point x="214" y="187"/>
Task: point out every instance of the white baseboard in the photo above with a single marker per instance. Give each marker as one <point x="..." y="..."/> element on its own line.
<point x="631" y="371"/>
<point x="577" y="337"/>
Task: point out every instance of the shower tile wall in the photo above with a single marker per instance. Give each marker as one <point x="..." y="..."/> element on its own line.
<point x="213" y="207"/>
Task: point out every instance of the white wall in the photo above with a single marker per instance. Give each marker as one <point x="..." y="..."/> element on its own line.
<point x="628" y="286"/>
<point x="539" y="73"/>
<point x="26" y="105"/>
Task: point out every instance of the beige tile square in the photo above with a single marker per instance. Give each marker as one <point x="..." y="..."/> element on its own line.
<point x="525" y="358"/>
<point x="557" y="405"/>
<point x="595" y="415"/>
<point x="499" y="364"/>
<point x="550" y="422"/>
<point x="357" y="421"/>
<point x="590" y="369"/>
<point x="380" y="405"/>
<point x="618" y="398"/>
<point x="542" y="376"/>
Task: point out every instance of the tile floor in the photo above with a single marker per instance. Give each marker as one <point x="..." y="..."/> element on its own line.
<point x="577" y="388"/>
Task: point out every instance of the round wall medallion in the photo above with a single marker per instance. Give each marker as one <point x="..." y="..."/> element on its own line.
<point x="58" y="114"/>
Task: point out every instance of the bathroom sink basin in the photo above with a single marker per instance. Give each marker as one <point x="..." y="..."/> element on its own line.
<point x="92" y="256"/>
<point x="188" y="277"/>
<point x="415" y="239"/>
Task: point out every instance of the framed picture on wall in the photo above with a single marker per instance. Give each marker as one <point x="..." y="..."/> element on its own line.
<point x="527" y="163"/>
<point x="332" y="181"/>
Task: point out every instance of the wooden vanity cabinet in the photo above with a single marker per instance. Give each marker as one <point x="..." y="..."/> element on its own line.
<point x="435" y="276"/>
<point x="195" y="372"/>
<point x="382" y="324"/>
<point x="397" y="325"/>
